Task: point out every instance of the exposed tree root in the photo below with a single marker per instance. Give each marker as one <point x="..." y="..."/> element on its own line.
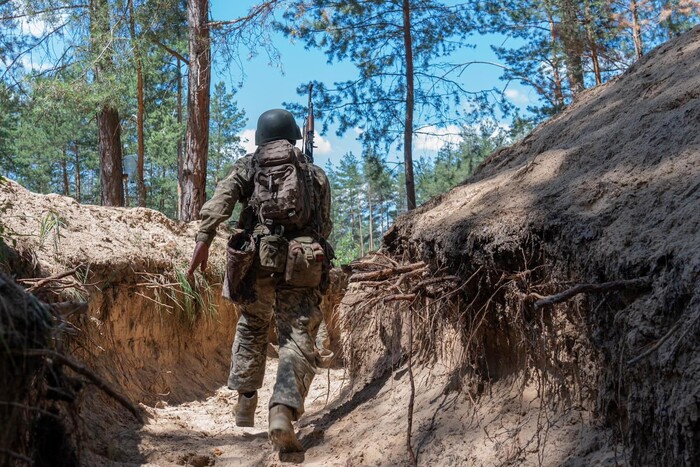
<point x="89" y="374"/>
<point x="386" y="272"/>
<point x="638" y="283"/>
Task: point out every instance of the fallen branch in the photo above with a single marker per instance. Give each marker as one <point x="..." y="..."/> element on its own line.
<point x="41" y="282"/>
<point x="386" y="273"/>
<point x="89" y="374"/>
<point x="639" y="283"/>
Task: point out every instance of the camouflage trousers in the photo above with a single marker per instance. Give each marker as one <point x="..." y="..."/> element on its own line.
<point x="297" y="316"/>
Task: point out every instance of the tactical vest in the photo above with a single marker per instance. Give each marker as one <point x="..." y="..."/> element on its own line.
<point x="283" y="188"/>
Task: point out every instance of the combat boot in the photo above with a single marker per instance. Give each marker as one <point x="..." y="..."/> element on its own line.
<point x="245" y="409"/>
<point x="281" y="430"/>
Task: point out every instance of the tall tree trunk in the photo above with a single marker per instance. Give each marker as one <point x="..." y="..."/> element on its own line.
<point x="636" y="29"/>
<point x="557" y="85"/>
<point x="218" y="152"/>
<point x="352" y="217"/>
<point x="408" y="127"/>
<point x="111" y="168"/>
<point x="381" y="215"/>
<point x="179" y="138"/>
<point x="362" y="237"/>
<point x="573" y="45"/>
<point x="592" y="44"/>
<point x="140" y="157"/>
<point x="108" y="125"/>
<point x="194" y="171"/>
<point x="371" y="222"/>
<point x="161" y="203"/>
<point x="64" y="171"/>
<point x="76" y="167"/>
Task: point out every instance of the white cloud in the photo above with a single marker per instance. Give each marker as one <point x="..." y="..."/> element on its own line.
<point x="433" y="138"/>
<point x="29" y="64"/>
<point x="248" y="140"/>
<point x="323" y="146"/>
<point x="33" y="27"/>
<point x="517" y="96"/>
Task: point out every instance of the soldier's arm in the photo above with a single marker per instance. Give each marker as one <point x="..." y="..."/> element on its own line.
<point x="228" y="192"/>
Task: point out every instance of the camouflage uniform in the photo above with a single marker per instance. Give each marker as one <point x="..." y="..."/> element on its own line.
<point x="296" y="310"/>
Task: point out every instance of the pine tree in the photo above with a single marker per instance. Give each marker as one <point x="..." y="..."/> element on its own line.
<point x="346" y="186"/>
<point x="397" y="47"/>
<point x="225" y="124"/>
<point x="194" y="168"/>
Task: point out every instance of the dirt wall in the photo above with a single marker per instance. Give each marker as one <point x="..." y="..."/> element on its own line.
<point x="607" y="192"/>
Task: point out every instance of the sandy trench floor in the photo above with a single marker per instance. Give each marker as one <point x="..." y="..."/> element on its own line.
<point x="202" y="433"/>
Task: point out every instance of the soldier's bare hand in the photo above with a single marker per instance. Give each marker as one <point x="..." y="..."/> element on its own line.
<point x="199" y="257"/>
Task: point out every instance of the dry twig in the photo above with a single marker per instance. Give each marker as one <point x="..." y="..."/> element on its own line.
<point x="41" y="282"/>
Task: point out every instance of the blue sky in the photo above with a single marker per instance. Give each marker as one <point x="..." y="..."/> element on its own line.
<point x="267" y="86"/>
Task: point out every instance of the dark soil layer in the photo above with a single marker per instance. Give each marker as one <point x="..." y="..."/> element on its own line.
<point x="607" y="191"/>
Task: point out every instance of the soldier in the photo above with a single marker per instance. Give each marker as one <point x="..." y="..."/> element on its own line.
<point x="286" y="214"/>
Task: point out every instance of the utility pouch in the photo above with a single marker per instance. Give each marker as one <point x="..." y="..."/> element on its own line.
<point x="238" y="282"/>
<point x="304" y="263"/>
<point x="273" y="253"/>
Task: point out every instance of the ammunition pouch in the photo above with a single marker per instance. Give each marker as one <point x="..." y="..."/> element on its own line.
<point x="239" y="283"/>
<point x="272" y="253"/>
<point x="305" y="262"/>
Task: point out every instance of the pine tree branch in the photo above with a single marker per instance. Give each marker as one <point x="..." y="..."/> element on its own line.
<point x="170" y="50"/>
<point x="41" y="12"/>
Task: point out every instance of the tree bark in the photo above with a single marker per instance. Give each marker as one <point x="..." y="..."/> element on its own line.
<point x="179" y="138"/>
<point x="108" y="125"/>
<point x="76" y="167"/>
<point x="64" y="170"/>
<point x="558" y="92"/>
<point x="111" y="168"/>
<point x="371" y="221"/>
<point x="592" y="44"/>
<point x="408" y="128"/>
<point x="194" y="170"/>
<point x="573" y="45"/>
<point x="140" y="157"/>
<point x="636" y="30"/>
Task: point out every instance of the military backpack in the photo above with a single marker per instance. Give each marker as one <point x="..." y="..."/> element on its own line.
<point x="281" y="194"/>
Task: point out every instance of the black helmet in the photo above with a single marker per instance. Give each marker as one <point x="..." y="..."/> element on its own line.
<point x="276" y="124"/>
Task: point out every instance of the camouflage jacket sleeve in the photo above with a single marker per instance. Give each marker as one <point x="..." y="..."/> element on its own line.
<point x="324" y="201"/>
<point x="234" y="188"/>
